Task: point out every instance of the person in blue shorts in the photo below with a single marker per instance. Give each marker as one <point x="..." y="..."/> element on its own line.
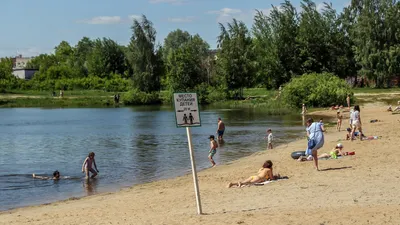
<point x="220" y="130"/>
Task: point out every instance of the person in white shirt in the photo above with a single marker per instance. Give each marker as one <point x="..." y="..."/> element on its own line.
<point x="356" y="122"/>
<point x="270" y="138"/>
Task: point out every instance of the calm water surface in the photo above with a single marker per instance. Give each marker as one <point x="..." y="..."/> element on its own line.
<point x="132" y="146"/>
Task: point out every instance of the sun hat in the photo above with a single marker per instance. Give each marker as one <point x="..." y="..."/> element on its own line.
<point x="339" y="145"/>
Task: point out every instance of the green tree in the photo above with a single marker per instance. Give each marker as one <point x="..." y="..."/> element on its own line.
<point x="284" y="23"/>
<point x="235" y="57"/>
<point x="174" y="40"/>
<point x="186" y="65"/>
<point x="5" y="68"/>
<point x="106" y="58"/>
<point x="144" y="57"/>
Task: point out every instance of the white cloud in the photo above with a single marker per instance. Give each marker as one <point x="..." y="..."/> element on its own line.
<point x="181" y="19"/>
<point x="134" y="17"/>
<point x="103" y="20"/>
<point x="27" y="52"/>
<point x="227" y="14"/>
<point x="174" y="2"/>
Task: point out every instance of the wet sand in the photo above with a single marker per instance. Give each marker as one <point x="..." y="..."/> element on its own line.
<point x="359" y="189"/>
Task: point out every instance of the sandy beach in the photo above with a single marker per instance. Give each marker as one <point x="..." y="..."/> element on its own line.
<point x="359" y="189"/>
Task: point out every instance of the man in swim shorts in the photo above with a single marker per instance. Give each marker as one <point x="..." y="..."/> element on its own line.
<point x="221" y="129"/>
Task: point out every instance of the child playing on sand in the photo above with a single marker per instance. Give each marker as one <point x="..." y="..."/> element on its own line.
<point x="264" y="174"/>
<point x="337" y="151"/>
<point x="213" y="149"/>
<point x="87" y="166"/>
<point x="270" y="138"/>
<point x="56" y="176"/>
<point x="339" y="120"/>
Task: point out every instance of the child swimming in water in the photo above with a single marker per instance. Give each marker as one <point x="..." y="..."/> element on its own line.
<point x="56" y="176"/>
<point x="87" y="166"/>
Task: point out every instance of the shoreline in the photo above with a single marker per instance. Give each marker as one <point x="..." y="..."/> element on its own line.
<point x="353" y="186"/>
<point x="118" y="189"/>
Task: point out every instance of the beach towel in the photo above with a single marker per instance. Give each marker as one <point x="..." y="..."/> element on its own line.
<point x="269" y="181"/>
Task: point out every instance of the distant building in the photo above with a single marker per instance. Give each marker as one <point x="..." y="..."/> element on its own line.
<point x="25" y="74"/>
<point x="19" y="67"/>
<point x="20" y="62"/>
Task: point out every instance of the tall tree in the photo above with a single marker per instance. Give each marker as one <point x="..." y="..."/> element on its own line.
<point x="106" y="58"/>
<point x="186" y="65"/>
<point x="236" y="56"/>
<point x="144" y="57"/>
<point x="173" y="41"/>
<point x="285" y="27"/>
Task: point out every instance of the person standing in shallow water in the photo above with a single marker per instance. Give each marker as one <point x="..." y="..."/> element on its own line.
<point x="315" y="131"/>
<point x="220" y="129"/>
<point x="87" y="166"/>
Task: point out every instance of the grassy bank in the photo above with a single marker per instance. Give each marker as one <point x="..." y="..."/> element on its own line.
<point x="55" y="102"/>
<point x="75" y="93"/>
<point x="254" y="98"/>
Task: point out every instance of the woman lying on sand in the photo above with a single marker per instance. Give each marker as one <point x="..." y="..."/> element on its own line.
<point x="264" y="174"/>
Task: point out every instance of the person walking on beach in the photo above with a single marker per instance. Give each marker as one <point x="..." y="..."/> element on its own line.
<point x="303" y="110"/>
<point x="270" y="138"/>
<point x="220" y="129"/>
<point x="87" y="166"/>
<point x="348" y="101"/>
<point x="213" y="149"/>
<point x="339" y="120"/>
<point x="356" y="122"/>
<point x="315" y="133"/>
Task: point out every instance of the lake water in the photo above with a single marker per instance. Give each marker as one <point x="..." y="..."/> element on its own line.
<point x="132" y="146"/>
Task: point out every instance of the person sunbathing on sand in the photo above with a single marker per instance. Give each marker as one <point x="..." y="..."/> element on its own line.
<point x="264" y="174"/>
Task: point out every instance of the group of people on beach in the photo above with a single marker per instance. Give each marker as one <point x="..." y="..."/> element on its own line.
<point x="89" y="167"/>
<point x="315" y="135"/>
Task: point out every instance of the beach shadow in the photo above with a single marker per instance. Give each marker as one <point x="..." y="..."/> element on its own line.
<point x="337" y="168"/>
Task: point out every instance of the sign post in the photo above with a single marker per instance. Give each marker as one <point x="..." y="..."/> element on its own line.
<point x="187" y="115"/>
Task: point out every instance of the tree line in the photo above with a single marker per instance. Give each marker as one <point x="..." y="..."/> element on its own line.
<point x="361" y="41"/>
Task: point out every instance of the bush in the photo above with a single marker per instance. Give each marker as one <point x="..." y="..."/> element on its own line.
<point x="136" y="97"/>
<point x="316" y="90"/>
<point x="216" y="94"/>
<point x="114" y="84"/>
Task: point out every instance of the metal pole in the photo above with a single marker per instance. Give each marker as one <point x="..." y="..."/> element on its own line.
<point x="196" y="184"/>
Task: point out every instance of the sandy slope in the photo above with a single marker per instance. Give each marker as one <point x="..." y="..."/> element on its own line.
<point x="360" y="189"/>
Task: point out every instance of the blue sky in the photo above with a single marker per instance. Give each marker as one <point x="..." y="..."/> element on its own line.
<point x="31" y="27"/>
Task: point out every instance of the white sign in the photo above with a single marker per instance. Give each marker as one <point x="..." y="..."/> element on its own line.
<point x="186" y="110"/>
